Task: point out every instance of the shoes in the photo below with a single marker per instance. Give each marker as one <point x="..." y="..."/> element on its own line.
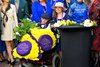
<point x="12" y="63"/>
<point x="8" y="62"/>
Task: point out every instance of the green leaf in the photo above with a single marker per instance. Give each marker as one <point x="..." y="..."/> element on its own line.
<point x="24" y="28"/>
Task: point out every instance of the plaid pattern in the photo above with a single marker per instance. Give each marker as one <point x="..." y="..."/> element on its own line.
<point x="94" y="14"/>
<point x="94" y="11"/>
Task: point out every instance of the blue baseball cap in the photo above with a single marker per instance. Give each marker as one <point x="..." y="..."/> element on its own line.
<point x="45" y="16"/>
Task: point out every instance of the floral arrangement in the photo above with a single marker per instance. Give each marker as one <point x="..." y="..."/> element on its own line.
<point x="89" y="23"/>
<point x="27" y="24"/>
<point x="43" y="32"/>
<point x="36" y="50"/>
<point x="86" y="23"/>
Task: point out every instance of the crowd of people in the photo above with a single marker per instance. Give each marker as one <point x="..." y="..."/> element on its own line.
<point x="45" y="12"/>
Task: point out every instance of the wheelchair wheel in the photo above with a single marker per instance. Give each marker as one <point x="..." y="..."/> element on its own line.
<point x="56" y="61"/>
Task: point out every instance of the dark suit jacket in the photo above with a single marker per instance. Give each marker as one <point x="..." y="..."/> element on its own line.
<point x="22" y="9"/>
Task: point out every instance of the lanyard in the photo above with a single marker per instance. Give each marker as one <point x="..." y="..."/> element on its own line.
<point x="44" y="9"/>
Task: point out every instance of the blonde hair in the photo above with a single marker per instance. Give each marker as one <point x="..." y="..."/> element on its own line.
<point x="54" y="15"/>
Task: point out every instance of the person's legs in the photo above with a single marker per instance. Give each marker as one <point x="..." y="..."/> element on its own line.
<point x="9" y="50"/>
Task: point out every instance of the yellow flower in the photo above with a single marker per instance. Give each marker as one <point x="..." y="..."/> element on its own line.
<point x="37" y="33"/>
<point x="34" y="53"/>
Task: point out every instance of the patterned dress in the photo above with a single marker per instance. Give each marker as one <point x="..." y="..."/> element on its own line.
<point x="94" y="14"/>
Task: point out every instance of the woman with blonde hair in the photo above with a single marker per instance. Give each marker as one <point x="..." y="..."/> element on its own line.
<point x="59" y="12"/>
<point x="9" y="21"/>
<point x="59" y="15"/>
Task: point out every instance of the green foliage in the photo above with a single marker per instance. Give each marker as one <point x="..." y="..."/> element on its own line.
<point x="24" y="28"/>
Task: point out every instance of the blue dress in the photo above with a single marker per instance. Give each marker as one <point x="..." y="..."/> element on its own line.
<point x="38" y="9"/>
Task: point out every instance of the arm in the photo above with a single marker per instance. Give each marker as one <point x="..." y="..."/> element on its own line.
<point x="15" y="16"/>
